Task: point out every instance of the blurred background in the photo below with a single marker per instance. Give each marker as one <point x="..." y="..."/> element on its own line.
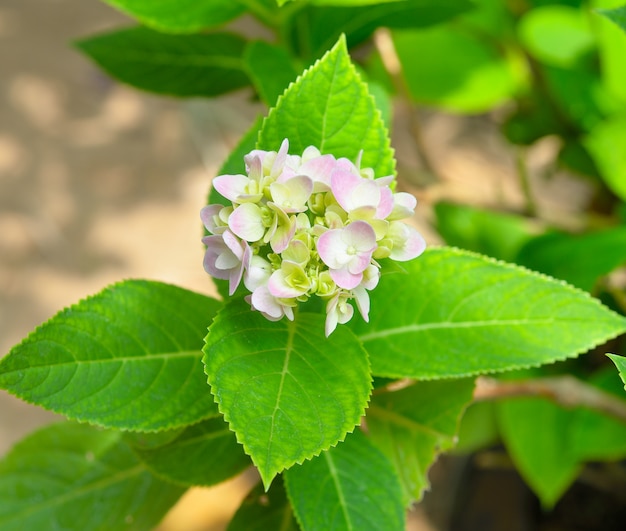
<point x="100" y="182"/>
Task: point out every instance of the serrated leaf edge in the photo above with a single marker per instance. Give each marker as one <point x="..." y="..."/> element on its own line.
<point x="515" y="267"/>
<point x="267" y="481"/>
<point x="341" y="44"/>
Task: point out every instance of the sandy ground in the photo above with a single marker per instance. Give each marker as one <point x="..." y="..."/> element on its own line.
<point x="99" y="182"/>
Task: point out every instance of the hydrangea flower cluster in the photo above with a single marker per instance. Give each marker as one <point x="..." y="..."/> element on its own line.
<point x="307" y="225"/>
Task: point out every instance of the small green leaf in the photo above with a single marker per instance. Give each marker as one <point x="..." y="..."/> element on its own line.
<point x="412" y="425"/>
<point x="478" y="428"/>
<point x="617" y="15"/>
<point x="437" y="74"/>
<point x="75" y="477"/>
<point x="286" y="390"/>
<point x="314" y="29"/>
<point x="203" y="454"/>
<point x="620" y="363"/>
<point x="271" y="69"/>
<point x="128" y="358"/>
<point x="612" y="47"/>
<point x="352" y="486"/>
<point x="557" y="35"/>
<point x="180" y="16"/>
<point x="262" y="511"/>
<point x="329" y="107"/>
<point x="179" y="65"/>
<point x="595" y="435"/>
<point x="611" y="162"/>
<point x="492" y="233"/>
<point x="578" y="259"/>
<point x="459" y="314"/>
<point x="537" y="434"/>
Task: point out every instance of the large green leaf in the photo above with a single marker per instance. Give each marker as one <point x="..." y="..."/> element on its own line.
<point x="412" y="425"/>
<point x="617" y="15"/>
<point x="458" y="314"/>
<point x="437" y="73"/>
<point x="620" y="363"/>
<point x="495" y="234"/>
<point x="556" y="35"/>
<point x="612" y="45"/>
<point x="262" y="511"/>
<point x="271" y="69"/>
<point x="286" y="390"/>
<point x="330" y="108"/>
<point x="602" y="144"/>
<point x="349" y="487"/>
<point x="314" y="29"/>
<point x="203" y="454"/>
<point x="537" y="434"/>
<point x="180" y="16"/>
<point x="128" y="357"/>
<point x="577" y="259"/>
<point x="180" y="65"/>
<point x="596" y="436"/>
<point x="76" y="478"/>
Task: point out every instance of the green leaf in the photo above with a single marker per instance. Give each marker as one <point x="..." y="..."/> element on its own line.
<point x="261" y="511"/>
<point x="601" y="143"/>
<point x="180" y="16"/>
<point x="128" y="358"/>
<point x="75" y="477"/>
<point x="352" y="486"/>
<point x="437" y="74"/>
<point x="617" y="15"/>
<point x="314" y="29"/>
<point x="612" y="46"/>
<point x="478" y="428"/>
<point x="459" y="314"/>
<point x="330" y="108"/>
<point x="537" y="434"/>
<point x="492" y="233"/>
<point x="412" y="425"/>
<point x="203" y="454"/>
<point x="271" y="69"/>
<point x="557" y="35"/>
<point x="282" y="386"/>
<point x="179" y="65"/>
<point x="578" y="259"/>
<point x="596" y="436"/>
<point x="620" y="363"/>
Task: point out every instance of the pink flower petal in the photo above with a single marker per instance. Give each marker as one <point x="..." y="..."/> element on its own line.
<point x="278" y="286"/>
<point x="403" y="206"/>
<point x="231" y="186"/>
<point x="344" y="279"/>
<point x="246" y="221"/>
<point x="319" y="170"/>
<point x="362" y="299"/>
<point x="385" y="206"/>
<point x="332" y="249"/>
<point x="209" y="214"/>
<point x="360" y="235"/>
<point x="412" y="246"/>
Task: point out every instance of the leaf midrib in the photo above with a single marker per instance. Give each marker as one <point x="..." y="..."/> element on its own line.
<point x="460" y="324"/>
<point x="141" y="357"/>
<point x="76" y="493"/>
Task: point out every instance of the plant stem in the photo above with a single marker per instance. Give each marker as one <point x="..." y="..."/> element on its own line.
<point x="565" y="390"/>
<point x="524" y="181"/>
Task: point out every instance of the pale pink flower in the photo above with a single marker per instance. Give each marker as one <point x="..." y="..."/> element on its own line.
<point x="347" y="252"/>
<point x="407" y="242"/>
<point x="338" y="311"/>
<point x="246" y="221"/>
<point x="271" y="307"/>
<point x="214" y="218"/>
<point x="361" y="198"/>
<point x="226" y="258"/>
